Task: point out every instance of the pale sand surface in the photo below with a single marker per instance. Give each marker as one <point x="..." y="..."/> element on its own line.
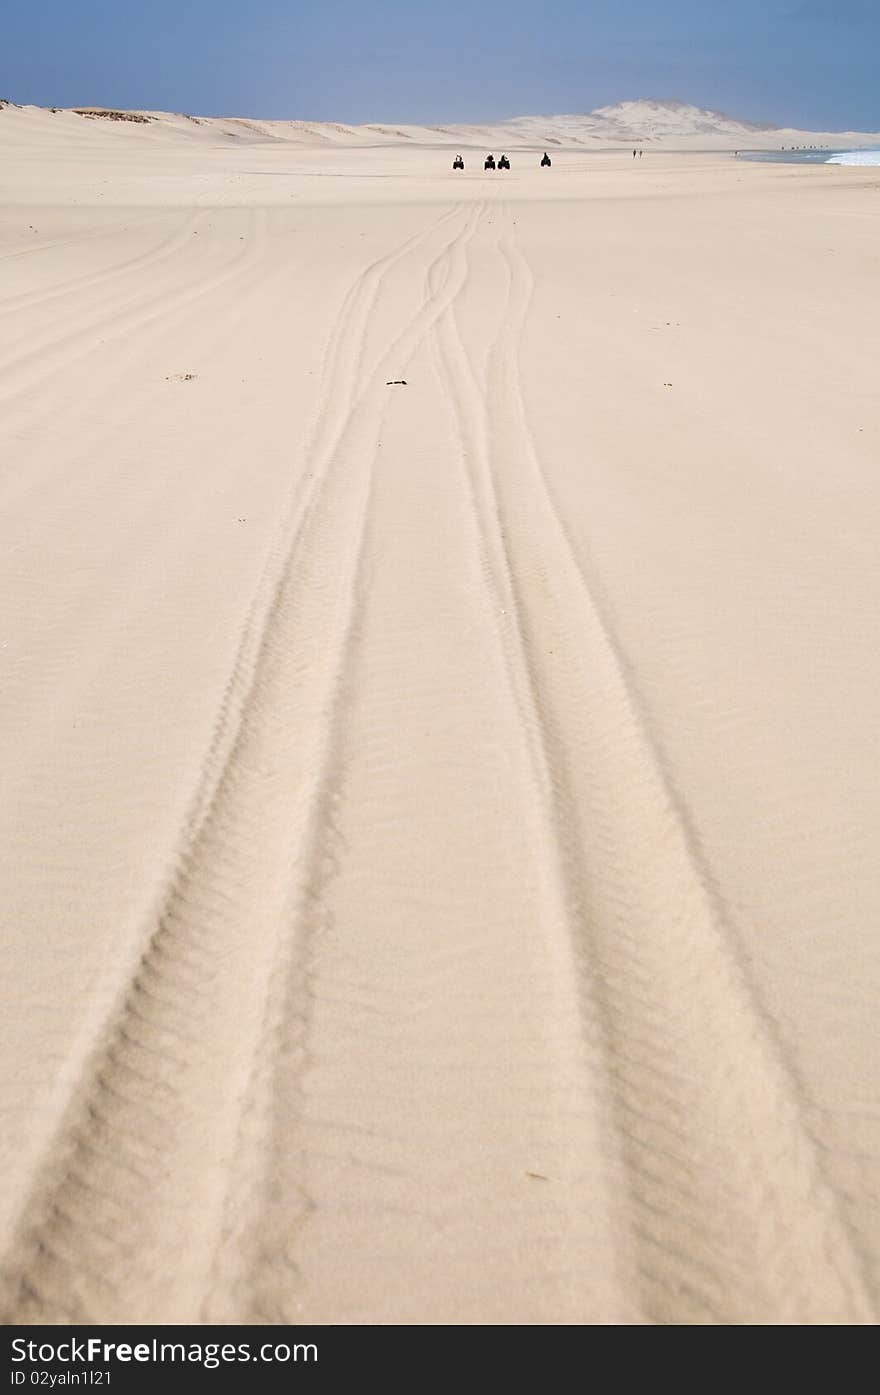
<point x="439" y="824"/>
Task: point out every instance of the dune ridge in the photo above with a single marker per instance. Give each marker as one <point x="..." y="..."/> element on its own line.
<point x="665" y="125"/>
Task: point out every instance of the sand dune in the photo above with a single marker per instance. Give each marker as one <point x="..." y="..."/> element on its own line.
<point x="660" y="125"/>
<point x="439" y="816"/>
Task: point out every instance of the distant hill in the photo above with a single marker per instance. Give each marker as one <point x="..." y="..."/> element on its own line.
<point x="674" y="116"/>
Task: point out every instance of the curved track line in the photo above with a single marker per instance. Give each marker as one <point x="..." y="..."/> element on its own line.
<point x="138" y="313"/>
<point x="155" y="1045"/>
<point x="70" y="241"/>
<point x="734" y="1216"/>
<point x="470" y="407"/>
<point x="267" y="1196"/>
<point x="178" y="237"/>
<point x="73" y="419"/>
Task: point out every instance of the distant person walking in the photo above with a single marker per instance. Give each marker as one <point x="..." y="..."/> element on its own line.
<point x="546" y="161"/>
<point x="635" y="153"/>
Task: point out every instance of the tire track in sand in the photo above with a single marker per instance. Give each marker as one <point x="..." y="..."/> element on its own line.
<point x="91" y="280"/>
<point x="148" y="1114"/>
<point x="254" y="1272"/>
<point x="69" y="241"/>
<point x="441" y="1056"/>
<point x="26" y="371"/>
<point x="84" y="419"/>
<point x="732" y="1215"/>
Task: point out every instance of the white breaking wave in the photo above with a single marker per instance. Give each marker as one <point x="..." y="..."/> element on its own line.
<point x="855" y="157"/>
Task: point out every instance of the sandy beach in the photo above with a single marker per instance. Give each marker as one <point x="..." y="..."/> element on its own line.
<point x="439" y="635"/>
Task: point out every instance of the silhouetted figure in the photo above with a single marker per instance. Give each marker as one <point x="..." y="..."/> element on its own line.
<point x="545" y="163"/>
<point x="489" y="163"/>
<point x="458" y="163"/>
<point x="504" y="163"/>
<point x="635" y="153"/>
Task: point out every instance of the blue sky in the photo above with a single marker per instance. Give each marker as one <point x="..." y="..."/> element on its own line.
<point x="801" y="62"/>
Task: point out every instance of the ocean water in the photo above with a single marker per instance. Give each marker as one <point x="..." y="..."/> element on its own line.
<point x="814" y="157"/>
<point x="856" y="157"/>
